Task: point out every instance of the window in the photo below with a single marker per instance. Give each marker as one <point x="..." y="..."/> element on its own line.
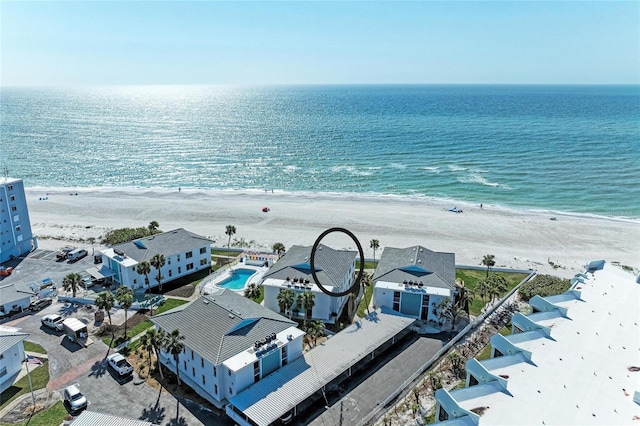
<point x="189" y="266"/>
<point x="184" y="365"/>
<point x="170" y="272"/>
<point x="230" y="391"/>
<point x="189" y="255"/>
<point x="443" y="415"/>
<point x="202" y="362"/>
<point x="14" y="208"/>
<point x="284" y="355"/>
<point x="425" y="307"/>
<point x="179" y="270"/>
<point x="169" y="261"/>
<point x="1" y="356"/>
<point x="256" y="371"/>
<point x="191" y="354"/>
<point x="3" y="371"/>
<point x="215" y="389"/>
<point x="203" y="250"/>
<point x="178" y="256"/>
<point x="12" y="197"/>
<point x="10" y="188"/>
<point x="215" y="371"/>
<point x="204" y="381"/>
<point x="473" y="381"/>
<point x="193" y="371"/>
<point x="203" y="262"/>
<point x="396" y="301"/>
<point x="135" y="281"/>
<point x="18" y="228"/>
<point x="229" y="372"/>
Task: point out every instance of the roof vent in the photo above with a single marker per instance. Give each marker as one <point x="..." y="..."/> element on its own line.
<point x="206" y="302"/>
<point x="231" y="315"/>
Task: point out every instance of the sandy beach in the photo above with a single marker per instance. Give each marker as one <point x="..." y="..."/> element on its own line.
<point x="518" y="238"/>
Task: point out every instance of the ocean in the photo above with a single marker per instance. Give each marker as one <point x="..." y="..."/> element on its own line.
<point x="561" y="148"/>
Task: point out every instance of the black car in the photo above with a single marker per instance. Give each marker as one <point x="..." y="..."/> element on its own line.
<point x="39" y="304"/>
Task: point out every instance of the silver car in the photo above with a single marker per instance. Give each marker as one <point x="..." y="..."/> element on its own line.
<point x="74" y="399"/>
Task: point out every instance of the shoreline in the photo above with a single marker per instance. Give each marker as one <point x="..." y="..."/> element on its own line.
<point x="522" y="239"/>
<point x="329" y="196"/>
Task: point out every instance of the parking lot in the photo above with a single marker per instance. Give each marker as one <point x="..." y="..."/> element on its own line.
<point x="70" y="363"/>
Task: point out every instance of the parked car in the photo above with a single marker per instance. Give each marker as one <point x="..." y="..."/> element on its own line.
<point x="87" y="282"/>
<point x="64" y="252"/>
<point x="77" y="254"/>
<point x="120" y="364"/>
<point x="74" y="399"/>
<point x="52" y="321"/>
<point x="39" y="304"/>
<point x="5" y="272"/>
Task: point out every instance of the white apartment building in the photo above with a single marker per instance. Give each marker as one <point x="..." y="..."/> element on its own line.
<point x="11" y="355"/>
<point x="230" y="343"/>
<point x="16" y="238"/>
<point x="413" y="280"/>
<point x="334" y="268"/>
<point x="184" y="253"/>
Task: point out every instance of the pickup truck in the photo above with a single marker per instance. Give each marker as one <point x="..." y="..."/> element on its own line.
<point x="62" y="254"/>
<point x="120" y="364"/>
<point x="52" y="321"/>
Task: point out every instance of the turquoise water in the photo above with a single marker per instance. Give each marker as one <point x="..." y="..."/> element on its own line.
<point x="238" y="280"/>
<point x="565" y="148"/>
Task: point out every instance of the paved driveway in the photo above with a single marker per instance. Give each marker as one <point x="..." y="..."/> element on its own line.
<point x="362" y="397"/>
<point x="69" y="363"/>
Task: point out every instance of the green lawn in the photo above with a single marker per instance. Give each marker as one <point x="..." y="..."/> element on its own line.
<point x="230" y="253"/>
<point x="471" y="278"/>
<point x="168" y="304"/>
<point x="39" y="379"/>
<point x="362" y="306"/>
<point x="367" y="265"/>
<point x="54" y="415"/>
<point x="33" y="347"/>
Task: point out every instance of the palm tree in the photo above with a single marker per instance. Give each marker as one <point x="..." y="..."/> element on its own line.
<point x="153" y="226"/>
<point x="285" y="301"/>
<point x="315" y="329"/>
<point x="498" y="285"/>
<point x="375" y="245"/>
<point x="488" y="260"/>
<point x="144" y="268"/>
<point x="72" y="282"/>
<point x="124" y="297"/>
<point x="157" y="261"/>
<point x="105" y="301"/>
<point x="252" y="291"/>
<point x="173" y="345"/>
<point x="153" y="340"/>
<point x="308" y="302"/>
<point x="483" y="289"/>
<point x="231" y="230"/>
<point x="463" y="298"/>
<point x="147" y="345"/>
<point x="278" y="248"/>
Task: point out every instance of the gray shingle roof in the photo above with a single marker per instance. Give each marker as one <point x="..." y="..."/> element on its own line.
<point x="434" y="269"/>
<point x="168" y="244"/>
<point x="331" y="265"/>
<point x="9" y="338"/>
<point x="14" y="292"/>
<point x="222" y="325"/>
<point x="91" y="418"/>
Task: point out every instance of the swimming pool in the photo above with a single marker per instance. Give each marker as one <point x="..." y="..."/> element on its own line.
<point x="238" y="280"/>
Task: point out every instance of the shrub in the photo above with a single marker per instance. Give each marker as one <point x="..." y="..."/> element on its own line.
<point x="123" y="235"/>
<point x="543" y="286"/>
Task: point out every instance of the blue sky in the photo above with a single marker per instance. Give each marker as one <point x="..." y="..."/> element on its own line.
<point x="105" y="43"/>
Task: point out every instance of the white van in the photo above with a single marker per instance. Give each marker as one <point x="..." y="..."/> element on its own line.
<point x="77" y="254"/>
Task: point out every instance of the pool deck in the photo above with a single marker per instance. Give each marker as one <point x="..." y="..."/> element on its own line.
<point x="212" y="284"/>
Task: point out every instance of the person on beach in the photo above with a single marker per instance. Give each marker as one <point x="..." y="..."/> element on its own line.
<point x="480" y="206"/>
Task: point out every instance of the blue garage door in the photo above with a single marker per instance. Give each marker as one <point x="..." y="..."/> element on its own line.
<point x="411" y="303"/>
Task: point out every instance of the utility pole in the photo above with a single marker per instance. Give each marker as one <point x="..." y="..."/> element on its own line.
<point x="33" y="397"/>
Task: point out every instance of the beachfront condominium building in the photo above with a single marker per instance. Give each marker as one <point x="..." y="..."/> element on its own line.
<point x="11" y="355"/>
<point x="15" y="227"/>
<point x="414" y="281"/>
<point x="334" y="268"/>
<point x="230" y="343"/>
<point x="184" y="253"/>
<point x="572" y="360"/>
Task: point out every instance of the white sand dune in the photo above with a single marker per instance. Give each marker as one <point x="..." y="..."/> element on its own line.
<point x="519" y="239"/>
